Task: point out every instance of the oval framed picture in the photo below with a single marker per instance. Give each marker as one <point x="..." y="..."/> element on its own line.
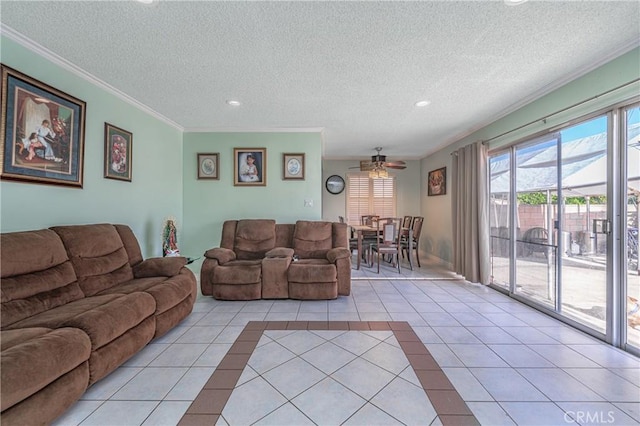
<point x="293" y="166"/>
<point x="208" y="165"/>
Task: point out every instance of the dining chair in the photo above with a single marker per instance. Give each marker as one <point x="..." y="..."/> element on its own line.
<point x="388" y="242"/>
<point x="416" y="227"/>
<point x="369" y="219"/>
<point x="406" y="222"/>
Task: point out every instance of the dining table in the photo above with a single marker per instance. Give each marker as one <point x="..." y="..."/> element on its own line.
<point x="363" y="230"/>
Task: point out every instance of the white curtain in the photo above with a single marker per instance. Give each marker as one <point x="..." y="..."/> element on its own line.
<point x="469" y="204"/>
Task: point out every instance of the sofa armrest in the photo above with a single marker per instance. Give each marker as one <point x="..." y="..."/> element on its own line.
<point x="222" y="255"/>
<point x="338" y="253"/>
<point x="279" y="252"/>
<point x="159" y="267"/>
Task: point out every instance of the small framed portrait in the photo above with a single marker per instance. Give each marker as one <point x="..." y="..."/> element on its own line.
<point x="437" y="182"/>
<point x="42" y="132"/>
<point x="117" y="153"/>
<point x="208" y="166"/>
<point x="293" y="166"/>
<point x="250" y="166"/>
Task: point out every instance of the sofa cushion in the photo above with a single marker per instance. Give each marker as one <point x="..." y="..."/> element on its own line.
<point x="36" y="275"/>
<point x="168" y="292"/>
<point x="130" y="243"/>
<point x="238" y="272"/>
<point x="98" y="256"/>
<point x="159" y="267"/>
<point x="312" y="271"/>
<point x="38" y="357"/>
<point x="312" y="239"/>
<point x="103" y="318"/>
<point x="254" y="237"/>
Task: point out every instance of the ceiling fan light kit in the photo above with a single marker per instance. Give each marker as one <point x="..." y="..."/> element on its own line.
<point x="378" y="165"/>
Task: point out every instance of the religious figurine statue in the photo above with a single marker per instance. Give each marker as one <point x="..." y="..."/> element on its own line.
<point x="170" y="239"/>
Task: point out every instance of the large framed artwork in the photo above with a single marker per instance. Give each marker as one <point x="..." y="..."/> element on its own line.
<point x="118" y="150"/>
<point x="42" y="131"/>
<point x="250" y="166"/>
<point x="437" y="182"/>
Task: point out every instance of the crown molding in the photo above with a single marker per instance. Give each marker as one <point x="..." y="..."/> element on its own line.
<point x="254" y="130"/>
<point x="42" y="51"/>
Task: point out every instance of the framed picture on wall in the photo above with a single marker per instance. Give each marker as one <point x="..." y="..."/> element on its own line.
<point x="437" y="182"/>
<point x="293" y="166"/>
<point x="208" y="166"/>
<point x="42" y="131"/>
<point x="117" y="153"/>
<point x="250" y="166"/>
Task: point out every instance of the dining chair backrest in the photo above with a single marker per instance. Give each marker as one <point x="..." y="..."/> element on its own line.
<point x="406" y="222"/>
<point x="369" y="220"/>
<point x="389" y="229"/>
<point x="341" y="219"/>
<point x="417" y="227"/>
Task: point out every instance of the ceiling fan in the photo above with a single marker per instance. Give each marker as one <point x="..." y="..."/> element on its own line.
<point x="379" y="164"/>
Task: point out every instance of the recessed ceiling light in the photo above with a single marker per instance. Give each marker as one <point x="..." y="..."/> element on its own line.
<point x="514" y="2"/>
<point x="422" y="103"/>
<point x="233" y="103"/>
<point x="146" y="1"/>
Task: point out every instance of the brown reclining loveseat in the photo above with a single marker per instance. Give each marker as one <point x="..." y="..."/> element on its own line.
<point x="259" y="259"/>
<point x="77" y="302"/>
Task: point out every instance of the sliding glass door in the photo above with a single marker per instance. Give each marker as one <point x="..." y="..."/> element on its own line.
<point x="564" y="221"/>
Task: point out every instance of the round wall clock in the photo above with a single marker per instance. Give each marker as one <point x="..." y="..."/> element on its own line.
<point x="335" y="184"/>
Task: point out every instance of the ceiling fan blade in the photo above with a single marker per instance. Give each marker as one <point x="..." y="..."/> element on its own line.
<point x="395" y="163"/>
<point x="393" y="166"/>
<point x="365" y="166"/>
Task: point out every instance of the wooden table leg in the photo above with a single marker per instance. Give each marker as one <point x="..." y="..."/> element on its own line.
<point x="359" y="249"/>
<point x="410" y="248"/>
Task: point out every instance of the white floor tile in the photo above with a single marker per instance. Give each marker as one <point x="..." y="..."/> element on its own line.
<point x="505" y="384"/>
<point x="293" y="377"/>
<point x="328" y="402"/>
<point x="252" y="401"/>
<point x="121" y="413"/>
<point x="536" y="413"/>
<point x="356" y="342"/>
<point x="558" y="385"/>
<point x="179" y="355"/>
<point x="190" y="384"/>
<point x="467" y="385"/>
<point x="328" y="357"/>
<point x="269" y="356"/>
<point x="363" y="378"/>
<point x="476" y="355"/>
<point x="520" y="356"/>
<point x="286" y="415"/>
<point x="151" y="384"/>
<point x="109" y="385"/>
<point x="212" y="355"/>
<point x="606" y="384"/>
<point x="387" y="356"/>
<point x="490" y="413"/>
<point x="405" y="402"/>
<point x="371" y="415"/>
<point x="301" y="341"/>
<point x="167" y="413"/>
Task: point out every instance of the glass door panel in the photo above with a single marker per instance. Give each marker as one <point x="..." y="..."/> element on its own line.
<point x="535" y="185"/>
<point x="583" y="271"/>
<point x="500" y="206"/>
<point x="630" y="228"/>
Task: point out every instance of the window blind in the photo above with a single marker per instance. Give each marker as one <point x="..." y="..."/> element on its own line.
<point x="366" y="196"/>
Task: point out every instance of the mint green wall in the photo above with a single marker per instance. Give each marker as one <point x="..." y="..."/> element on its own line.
<point x="407" y="185"/>
<point x="156" y="188"/>
<point x="208" y="203"/>
<point x="437" y="232"/>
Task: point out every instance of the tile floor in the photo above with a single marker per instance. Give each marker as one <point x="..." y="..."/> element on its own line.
<point x="508" y="362"/>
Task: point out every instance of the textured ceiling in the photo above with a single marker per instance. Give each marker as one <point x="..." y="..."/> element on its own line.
<point x="353" y="69"/>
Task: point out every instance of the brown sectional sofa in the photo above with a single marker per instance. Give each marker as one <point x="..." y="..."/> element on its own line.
<point x="259" y="259"/>
<point x="77" y="302"/>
